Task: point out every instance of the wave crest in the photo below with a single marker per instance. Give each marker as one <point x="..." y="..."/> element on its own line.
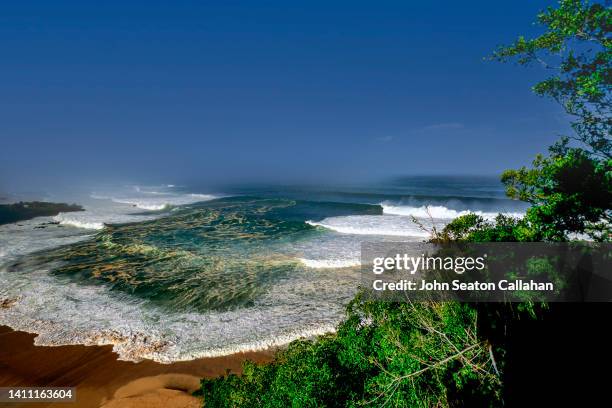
<point x="329" y="263"/>
<point x="66" y="219"/>
<point x="162" y="202"/>
<point x="440" y="212"/>
<point x="372" y="225"/>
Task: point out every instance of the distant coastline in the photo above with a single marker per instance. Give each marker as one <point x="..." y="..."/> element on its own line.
<point x="22" y="211"/>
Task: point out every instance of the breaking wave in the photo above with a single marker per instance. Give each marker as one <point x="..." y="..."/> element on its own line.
<point x="329" y="263"/>
<point x="209" y="278"/>
<point x="439" y="212"/>
<point x="67" y="219"/>
<point x="155" y="200"/>
<point x="66" y="313"/>
<point x="388" y="225"/>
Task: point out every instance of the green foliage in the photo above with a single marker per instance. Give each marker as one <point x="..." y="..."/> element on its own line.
<point x="571" y="189"/>
<point x="474" y="228"/>
<point x="570" y="194"/>
<point x="384" y="354"/>
<point x="451" y="354"/>
<point x="577" y="46"/>
<point x="303" y="375"/>
<point x="418" y="354"/>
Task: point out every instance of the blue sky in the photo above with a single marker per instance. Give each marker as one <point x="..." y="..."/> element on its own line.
<point x="186" y="90"/>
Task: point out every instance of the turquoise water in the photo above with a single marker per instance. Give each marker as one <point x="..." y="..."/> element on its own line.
<point x="254" y="267"/>
<point x="214" y="255"/>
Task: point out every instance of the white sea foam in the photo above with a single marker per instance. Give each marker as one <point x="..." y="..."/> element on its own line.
<point x="398" y="221"/>
<point x="329" y="263"/>
<point x="309" y="302"/>
<point x="99" y="209"/>
<point x="118" y="208"/>
<point x="439" y="212"/>
<point x="37" y="234"/>
<point x="62" y="312"/>
<point x="157" y="201"/>
<point x="389" y="225"/>
<point x="79" y="222"/>
<point x="40" y="233"/>
<point x="97" y="214"/>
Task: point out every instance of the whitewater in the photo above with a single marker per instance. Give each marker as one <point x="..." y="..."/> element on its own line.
<point x="266" y="271"/>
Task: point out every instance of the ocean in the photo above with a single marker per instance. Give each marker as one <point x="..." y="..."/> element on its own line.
<point x="176" y="272"/>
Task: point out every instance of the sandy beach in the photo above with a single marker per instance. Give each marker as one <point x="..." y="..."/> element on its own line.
<point x="103" y="381"/>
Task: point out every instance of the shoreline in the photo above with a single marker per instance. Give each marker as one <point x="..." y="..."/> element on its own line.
<point x="26" y="210"/>
<point x="103" y="380"/>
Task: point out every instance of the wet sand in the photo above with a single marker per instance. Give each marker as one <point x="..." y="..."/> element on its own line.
<point x="102" y="380"/>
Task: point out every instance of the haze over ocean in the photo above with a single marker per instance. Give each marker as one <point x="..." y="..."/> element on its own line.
<point x="309" y="91"/>
<point x="172" y="273"/>
<point x="231" y="159"/>
<point x="305" y="203"/>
